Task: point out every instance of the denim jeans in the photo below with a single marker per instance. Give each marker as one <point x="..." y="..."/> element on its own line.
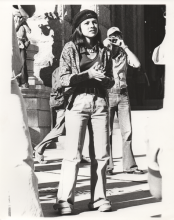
<point x="120" y="108"/>
<point x="91" y="110"/>
<point x="57" y="131"/>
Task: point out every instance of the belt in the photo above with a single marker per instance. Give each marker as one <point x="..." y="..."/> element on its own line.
<point x="95" y="91"/>
<point x="117" y="91"/>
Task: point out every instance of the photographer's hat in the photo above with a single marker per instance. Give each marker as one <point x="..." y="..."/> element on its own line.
<point x="113" y="30"/>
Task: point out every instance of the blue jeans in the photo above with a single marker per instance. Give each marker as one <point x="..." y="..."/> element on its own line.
<point x="120" y="108"/>
<point x="91" y="110"/>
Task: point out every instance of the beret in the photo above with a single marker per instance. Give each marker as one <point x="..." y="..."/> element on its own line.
<point x="81" y="16"/>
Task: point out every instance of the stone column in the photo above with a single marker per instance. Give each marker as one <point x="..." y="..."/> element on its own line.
<point x="31" y="51"/>
<point x="37" y="101"/>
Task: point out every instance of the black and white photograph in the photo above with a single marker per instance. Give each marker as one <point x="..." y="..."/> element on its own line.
<point x="87" y="110"/>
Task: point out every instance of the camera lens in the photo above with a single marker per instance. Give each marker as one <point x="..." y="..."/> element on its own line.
<point x="113" y="40"/>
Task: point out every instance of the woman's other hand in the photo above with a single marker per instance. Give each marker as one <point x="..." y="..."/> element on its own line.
<point x="96" y="72"/>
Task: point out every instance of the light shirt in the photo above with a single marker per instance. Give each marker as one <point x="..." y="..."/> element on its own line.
<point x="120" y="71"/>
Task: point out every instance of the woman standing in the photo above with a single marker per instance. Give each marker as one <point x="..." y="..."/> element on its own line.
<point x="84" y="65"/>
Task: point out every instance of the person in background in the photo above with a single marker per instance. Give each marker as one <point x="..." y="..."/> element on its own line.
<point x="160" y="141"/>
<point x="85" y="65"/>
<point x="119" y="104"/>
<point x="160" y="153"/>
<point x="158" y="55"/>
<point x="22" y="29"/>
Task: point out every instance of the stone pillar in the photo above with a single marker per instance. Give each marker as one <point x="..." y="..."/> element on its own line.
<point x="37" y="101"/>
<point x="31" y="51"/>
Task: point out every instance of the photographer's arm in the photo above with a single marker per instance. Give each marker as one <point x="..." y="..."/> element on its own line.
<point x="131" y="58"/>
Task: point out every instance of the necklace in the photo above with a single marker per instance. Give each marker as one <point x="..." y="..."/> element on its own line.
<point x="92" y="50"/>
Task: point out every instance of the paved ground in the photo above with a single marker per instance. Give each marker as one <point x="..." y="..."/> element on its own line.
<point x="129" y="193"/>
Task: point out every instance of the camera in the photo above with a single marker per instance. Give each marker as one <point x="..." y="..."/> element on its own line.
<point x="113" y="40"/>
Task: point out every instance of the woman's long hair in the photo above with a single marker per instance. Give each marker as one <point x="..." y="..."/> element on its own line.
<point x="79" y="40"/>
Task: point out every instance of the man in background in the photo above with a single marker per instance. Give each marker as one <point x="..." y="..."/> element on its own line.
<point x="119" y="103"/>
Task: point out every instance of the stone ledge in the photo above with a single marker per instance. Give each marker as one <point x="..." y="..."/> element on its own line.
<point x="40" y="92"/>
<point x="32" y="48"/>
<point x="37" y="104"/>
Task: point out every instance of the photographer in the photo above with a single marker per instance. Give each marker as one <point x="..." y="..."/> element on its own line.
<point x="119" y="98"/>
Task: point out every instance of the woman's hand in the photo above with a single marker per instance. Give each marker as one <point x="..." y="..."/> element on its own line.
<point x="96" y="72"/>
<point x="107" y="43"/>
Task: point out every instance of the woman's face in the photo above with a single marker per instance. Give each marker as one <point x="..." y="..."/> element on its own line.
<point x="89" y="27"/>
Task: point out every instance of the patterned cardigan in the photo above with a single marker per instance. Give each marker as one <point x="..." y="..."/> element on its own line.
<point x="70" y="74"/>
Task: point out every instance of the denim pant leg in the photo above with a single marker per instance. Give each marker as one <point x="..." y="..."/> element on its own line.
<point x="99" y="154"/>
<point x="57" y="131"/>
<point x="112" y="111"/>
<point x="124" y="117"/>
<point x="76" y="123"/>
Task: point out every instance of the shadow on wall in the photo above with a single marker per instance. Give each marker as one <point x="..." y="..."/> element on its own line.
<point x="53" y="26"/>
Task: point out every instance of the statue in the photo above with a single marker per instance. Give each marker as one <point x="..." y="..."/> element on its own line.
<point x="22" y="28"/>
